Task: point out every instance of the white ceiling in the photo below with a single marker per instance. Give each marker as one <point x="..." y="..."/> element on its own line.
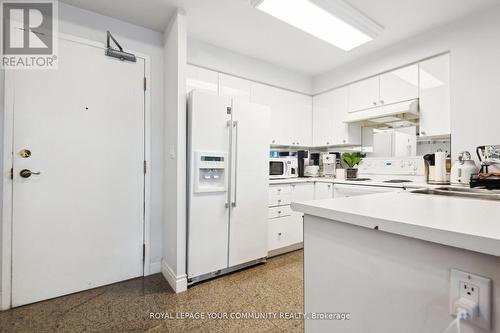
<point x="235" y="25"/>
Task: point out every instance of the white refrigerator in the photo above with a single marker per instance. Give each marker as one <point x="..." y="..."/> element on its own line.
<point x="228" y="175"/>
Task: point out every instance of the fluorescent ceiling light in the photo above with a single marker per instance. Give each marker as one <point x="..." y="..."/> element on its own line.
<point x="311" y="18"/>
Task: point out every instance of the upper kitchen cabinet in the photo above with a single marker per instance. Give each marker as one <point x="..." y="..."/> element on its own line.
<point x="300" y="108"/>
<point x="399" y="85"/>
<point x="291" y="114"/>
<point x="234" y="87"/>
<point x="435" y="96"/>
<point x="392" y="87"/>
<point x="364" y="94"/>
<point x="329" y="111"/>
<point x="202" y="79"/>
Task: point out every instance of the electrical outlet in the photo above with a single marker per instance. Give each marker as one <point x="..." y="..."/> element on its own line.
<point x="473" y="288"/>
<point x="469" y="291"/>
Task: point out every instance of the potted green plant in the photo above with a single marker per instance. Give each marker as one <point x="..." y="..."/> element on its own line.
<point x="352" y="160"/>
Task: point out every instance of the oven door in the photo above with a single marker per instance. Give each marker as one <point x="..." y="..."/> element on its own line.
<point x="277" y="169"/>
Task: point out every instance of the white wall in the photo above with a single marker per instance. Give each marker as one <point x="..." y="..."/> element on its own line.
<point x="174" y="199"/>
<point x="228" y="62"/>
<point x="474" y="43"/>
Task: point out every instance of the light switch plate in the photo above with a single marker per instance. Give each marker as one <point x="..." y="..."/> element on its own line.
<point x="475" y="288"/>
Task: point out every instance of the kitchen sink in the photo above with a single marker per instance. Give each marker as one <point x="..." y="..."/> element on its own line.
<point x="462" y="192"/>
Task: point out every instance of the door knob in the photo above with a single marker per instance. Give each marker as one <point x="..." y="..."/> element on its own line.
<point x="25" y="173"/>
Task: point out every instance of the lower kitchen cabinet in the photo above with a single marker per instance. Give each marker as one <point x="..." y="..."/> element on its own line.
<point x="302" y="192"/>
<point x="323" y="191"/>
<point x="285" y="227"/>
<point x="285" y="231"/>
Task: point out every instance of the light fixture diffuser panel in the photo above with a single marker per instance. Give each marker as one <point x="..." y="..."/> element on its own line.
<point x="308" y="17"/>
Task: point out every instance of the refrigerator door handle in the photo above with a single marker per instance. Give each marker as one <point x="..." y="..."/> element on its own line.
<point x="230" y="127"/>
<point x="235" y="125"/>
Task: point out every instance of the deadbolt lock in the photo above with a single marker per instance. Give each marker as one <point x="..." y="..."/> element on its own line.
<point x="25" y="153"/>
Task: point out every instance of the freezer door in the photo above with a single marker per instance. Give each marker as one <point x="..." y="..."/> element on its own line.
<point x="250" y="181"/>
<point x="208" y="212"/>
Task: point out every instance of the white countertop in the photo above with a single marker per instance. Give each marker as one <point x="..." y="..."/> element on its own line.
<point x="374" y="182"/>
<point x="470" y="224"/>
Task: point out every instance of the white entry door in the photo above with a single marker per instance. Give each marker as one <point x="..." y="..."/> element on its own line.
<point x="78" y="224"/>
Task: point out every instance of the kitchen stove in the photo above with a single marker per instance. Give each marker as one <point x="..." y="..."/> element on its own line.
<point x="392" y="170"/>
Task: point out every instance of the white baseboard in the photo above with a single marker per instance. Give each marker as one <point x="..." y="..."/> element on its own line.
<point x="154" y="268"/>
<point x="4" y="305"/>
<point x="178" y="283"/>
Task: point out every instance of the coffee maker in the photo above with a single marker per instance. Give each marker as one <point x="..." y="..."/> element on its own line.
<point x="329" y="165"/>
<point x="303" y="161"/>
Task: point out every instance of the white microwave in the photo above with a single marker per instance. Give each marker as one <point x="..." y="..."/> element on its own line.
<point x="283" y="167"/>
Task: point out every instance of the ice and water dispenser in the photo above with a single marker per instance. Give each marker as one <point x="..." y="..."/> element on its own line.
<point x="210" y="172"/>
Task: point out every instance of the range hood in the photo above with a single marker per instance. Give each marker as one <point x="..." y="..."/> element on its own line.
<point x="395" y="115"/>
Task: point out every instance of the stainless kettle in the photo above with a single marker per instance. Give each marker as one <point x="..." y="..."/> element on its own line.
<point x="463" y="169"/>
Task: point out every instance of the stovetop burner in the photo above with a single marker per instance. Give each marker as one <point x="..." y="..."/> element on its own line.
<point x="397" y="181"/>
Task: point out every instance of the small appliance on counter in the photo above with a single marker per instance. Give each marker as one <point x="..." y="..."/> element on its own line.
<point x="303" y="161"/>
<point x="488" y="156"/>
<point x="311" y="171"/>
<point x="329" y="164"/>
<point x="463" y="169"/>
<point x="283" y="167"/>
<point x="435" y="168"/>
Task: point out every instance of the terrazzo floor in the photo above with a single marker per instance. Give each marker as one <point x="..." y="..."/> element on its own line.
<point x="274" y="287"/>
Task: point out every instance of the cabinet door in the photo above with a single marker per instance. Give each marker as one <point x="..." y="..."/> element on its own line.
<point x="234" y="87"/>
<point x="323" y="127"/>
<point x="285" y="231"/>
<point x="435" y="96"/>
<point x="323" y="191"/>
<point x="364" y="94"/>
<point x="202" y="80"/>
<point x="300" y="107"/>
<point x="343" y="133"/>
<point x="302" y="192"/>
<point x="281" y="123"/>
<point x="399" y="85"/>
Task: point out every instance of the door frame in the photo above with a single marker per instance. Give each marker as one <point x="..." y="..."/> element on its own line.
<point x="8" y="129"/>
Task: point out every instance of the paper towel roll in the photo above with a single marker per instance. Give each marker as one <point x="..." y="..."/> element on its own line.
<point x="440" y="166"/>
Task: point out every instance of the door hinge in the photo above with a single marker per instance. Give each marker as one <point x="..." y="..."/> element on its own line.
<point x="143" y="252"/>
<point x="11" y="173"/>
<point x="145" y="84"/>
<point x="228" y="109"/>
<point x="145" y="167"/>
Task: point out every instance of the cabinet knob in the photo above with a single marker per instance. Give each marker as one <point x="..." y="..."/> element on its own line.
<point x="381" y="102"/>
<point x="279" y="190"/>
<point x="327" y="143"/>
<point x="273" y="141"/>
<point x="423" y="132"/>
<point x="279" y="201"/>
<point x="279" y="211"/>
<point x="343" y="141"/>
<point x="279" y="233"/>
<point x="374" y="103"/>
<point x="298" y="142"/>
